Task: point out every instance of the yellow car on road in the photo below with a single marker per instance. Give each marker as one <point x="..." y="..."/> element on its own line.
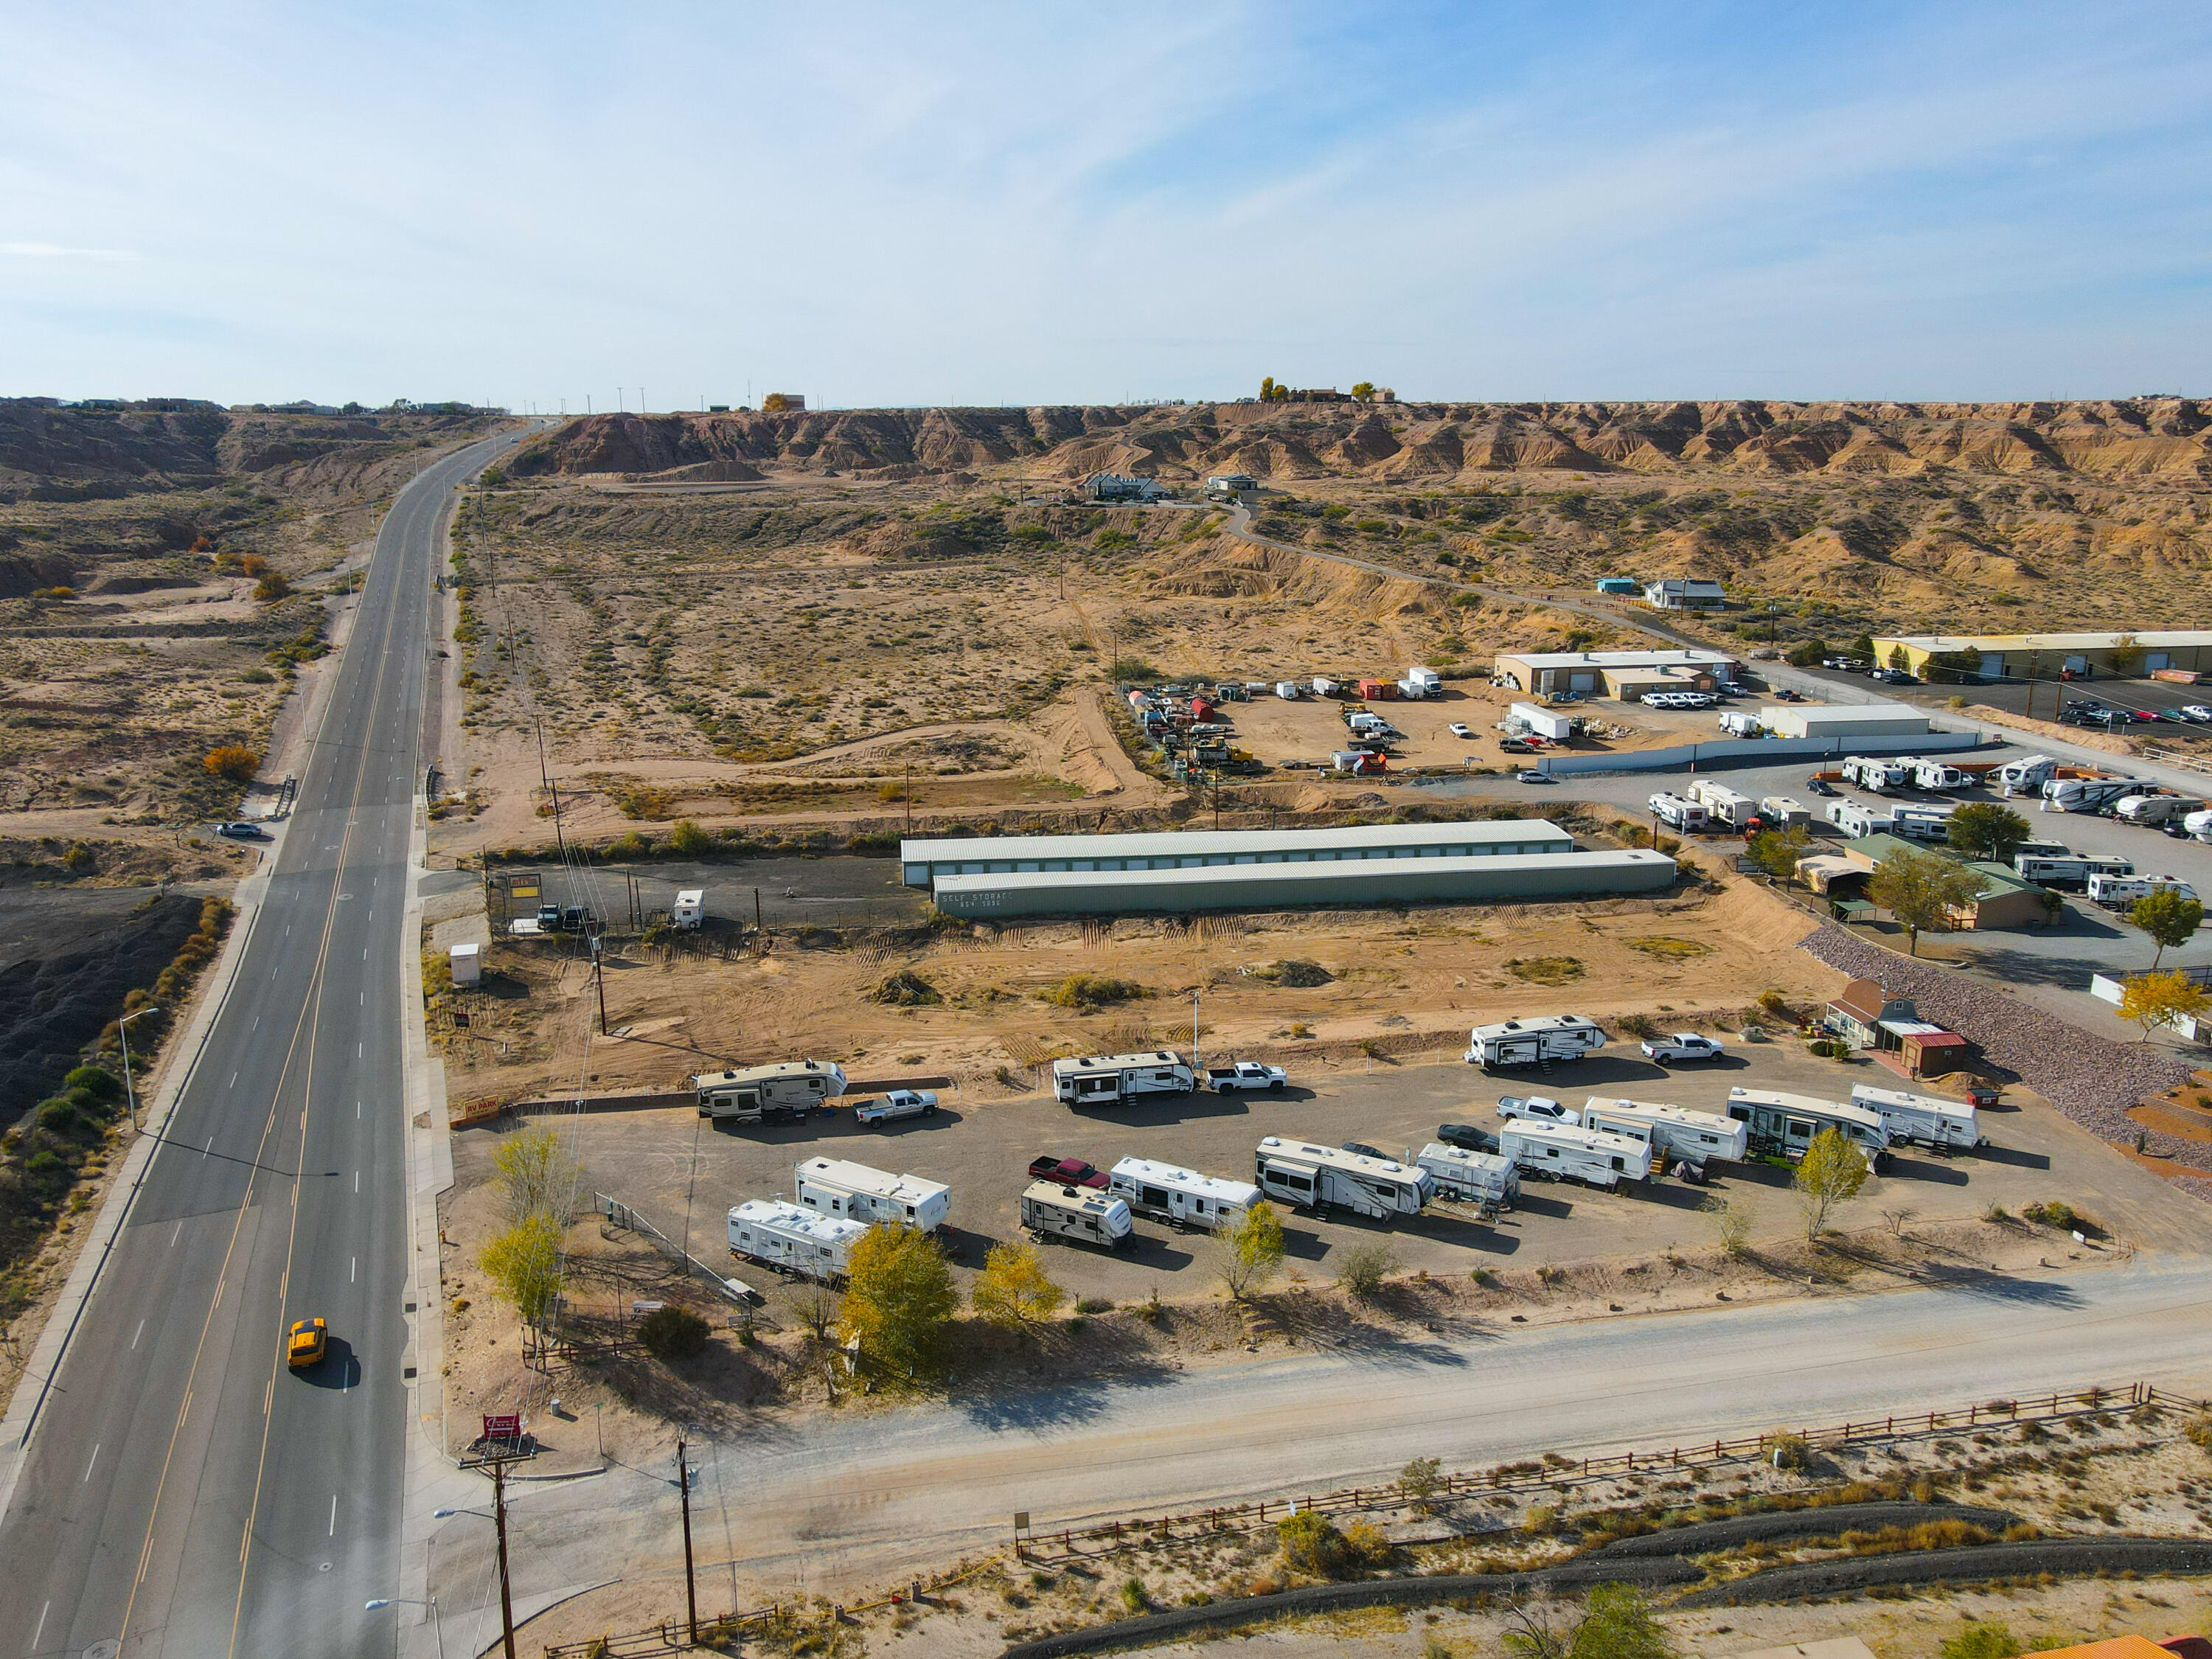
<point x="305" y="1347"/>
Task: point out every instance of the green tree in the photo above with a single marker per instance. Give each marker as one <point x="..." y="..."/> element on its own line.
<point x="2170" y="919"/>
<point x="1987" y="829"/>
<point x="687" y="840"/>
<point x="899" y="1295"/>
<point x="537" y="1174"/>
<point x="1922" y="891"/>
<point x="672" y="1333"/>
<point x="1421" y="1480"/>
<point x="1777" y="851"/>
<point x="1980" y="1641"/>
<point x="2153" y="1000"/>
<point x="1832" y="1169"/>
<point x="1252" y="1251"/>
<point x="1900" y="659"/>
<point x="2127" y="654"/>
<point x="525" y="1263"/>
<point x="1807" y="653"/>
<point x="1616" y="1623"/>
<point x="1013" y="1290"/>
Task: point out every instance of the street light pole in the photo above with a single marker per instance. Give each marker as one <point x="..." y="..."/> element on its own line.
<point x="690" y="1583"/>
<point x="130" y="1094"/>
<point x="437" y="1623"/>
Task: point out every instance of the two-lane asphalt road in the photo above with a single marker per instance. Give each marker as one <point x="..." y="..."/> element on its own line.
<point x="182" y="1492"/>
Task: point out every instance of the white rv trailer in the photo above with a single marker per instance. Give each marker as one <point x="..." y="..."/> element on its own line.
<point x="793" y="1240"/>
<point x="2025" y="776"/>
<point x="688" y="910"/>
<point x="2151" y="810"/>
<point x="1329" y="1177"/>
<point x="1728" y="805"/>
<point x="1476" y="1177"/>
<point x="1928" y="773"/>
<point x="1856" y="818"/>
<point x="1869" y="772"/>
<point x="1945" y="1125"/>
<point x="1324" y="687"/>
<point x="2087" y="794"/>
<point x="1535" y="1042"/>
<point x="1103" y="1079"/>
<point x="1783" y="812"/>
<point x="855" y="1191"/>
<point x="1783" y="1125"/>
<point x="1676" y="812"/>
<point x="2069" y="869"/>
<point x="1182" y="1197"/>
<point x="2199" y="825"/>
<point x="1081" y="1215"/>
<point x="1674" y="1130"/>
<point x="1920" y="822"/>
<point x="786" y="1089"/>
<point x="1556" y="1151"/>
<point x="2112" y="891"/>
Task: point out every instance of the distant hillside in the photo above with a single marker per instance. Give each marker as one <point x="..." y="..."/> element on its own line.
<point x="2164" y="438"/>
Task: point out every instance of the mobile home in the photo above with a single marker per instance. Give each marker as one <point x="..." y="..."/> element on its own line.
<point x="1672" y="1130"/>
<point x="1474" y="1177"/>
<point x="1559" y="1151"/>
<point x="1181" y="1197"/>
<point x="793" y="1240"/>
<point x="786" y="1089"/>
<point x="1928" y="1120"/>
<point x="857" y="1192"/>
<point x="1329" y="1177"/>
<point x="1079" y="1215"/>
<point x="1783" y="1125"/>
<point x="1535" y="1042"/>
<point x="1105" y="1079"/>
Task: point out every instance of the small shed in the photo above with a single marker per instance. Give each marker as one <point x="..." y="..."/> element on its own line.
<point x="1378" y="690"/>
<point x="466" y="961"/>
<point x="1857" y="1012"/>
<point x="1544" y="722"/>
<point x="1927" y="1050"/>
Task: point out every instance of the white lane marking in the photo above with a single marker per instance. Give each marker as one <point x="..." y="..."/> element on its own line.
<point x="172" y="1236"/>
<point x="357" y="1181"/>
<point x="257" y="1018"/>
<point x="140" y="1331"/>
<point x="41" y="1629"/>
<point x="334" y="1515"/>
<point x="89" y="1467"/>
<point x="210" y="1147"/>
<point x="353" y="1272"/>
<point x="356" y="1109"/>
<point x="357" y="1048"/>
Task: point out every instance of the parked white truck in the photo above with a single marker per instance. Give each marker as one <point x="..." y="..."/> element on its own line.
<point x="1674" y="1131"/>
<point x="1537" y="1041"/>
<point x="1184" y="1197"/>
<point x="854" y="1192"/>
<point x="1321" y="1178"/>
<point x="1245" y="1076"/>
<point x="1948" y="1126"/>
<point x="1561" y="1151"/>
<point x="1075" y="1215"/>
<point x="789" y="1088"/>
<point x="1108" y="1080"/>
<point x="793" y="1240"/>
<point x="894" y="1104"/>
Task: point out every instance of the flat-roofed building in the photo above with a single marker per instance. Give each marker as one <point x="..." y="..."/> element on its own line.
<point x="1623" y="674"/>
<point x="2046" y="656"/>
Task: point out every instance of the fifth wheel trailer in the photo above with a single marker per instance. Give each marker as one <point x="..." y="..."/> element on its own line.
<point x="1537" y="1041"/>
<point x="787" y="1089"/>
<point x="1559" y="1151"/>
<point x="1080" y="1215"/>
<point x="1477" y="1177"/>
<point x="854" y="1192"/>
<point x="1930" y="1119"/>
<point x="792" y="1239"/>
<point x="1108" y="1080"/>
<point x="1783" y="1125"/>
<point x="1674" y="1130"/>
<point x="1181" y="1197"/>
<point x="1329" y="1177"/>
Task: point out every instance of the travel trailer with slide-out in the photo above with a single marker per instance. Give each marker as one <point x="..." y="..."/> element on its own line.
<point x="1075" y="1215"/>
<point x="1674" y="1131"/>
<point x="2025" y="776"/>
<point x="793" y="1240"/>
<point x="1928" y="1120"/>
<point x="1474" y="1177"/>
<point x="1181" y="1197"/>
<point x="1329" y="1178"/>
<point x="1107" y="1079"/>
<point x="788" y="1088"/>
<point x="1783" y="1125"/>
<point x="854" y="1192"/>
<point x="1537" y="1041"/>
<point x="1561" y="1152"/>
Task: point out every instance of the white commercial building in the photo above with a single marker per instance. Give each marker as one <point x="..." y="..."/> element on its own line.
<point x="1843" y="719"/>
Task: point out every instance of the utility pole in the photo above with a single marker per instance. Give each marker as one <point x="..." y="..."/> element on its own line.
<point x="909" y="793"/>
<point x="760" y="933"/>
<point x="558" y="839"/>
<point x="599" y="980"/>
<point x="690" y="1583"/>
<point x="544" y="778"/>
<point x="498" y="1519"/>
<point x="1194" y="1028"/>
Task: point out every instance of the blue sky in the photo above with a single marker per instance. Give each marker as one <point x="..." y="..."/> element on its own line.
<point x="1035" y="203"/>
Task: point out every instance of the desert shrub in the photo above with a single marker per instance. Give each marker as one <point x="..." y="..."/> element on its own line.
<point x="93" y="1080"/>
<point x="1311" y="1543"/>
<point x="1086" y="991"/>
<point x="2056" y="1212"/>
<point x="272" y="586"/>
<point x="687" y="839"/>
<point x="233" y="761"/>
<point x="2199" y="1432"/>
<point x="1133" y="1597"/>
<point x="672" y="1333"/>
<point x="1667" y="945"/>
<point x="1094" y="1305"/>
<point x="1544" y="970"/>
<point x="906" y="990"/>
<point x="1786" y="1449"/>
<point x="1363" y="1269"/>
<point x="1300" y="974"/>
<point x="1637" y="1025"/>
<point x="1980" y="1641"/>
<point x="1775" y="1003"/>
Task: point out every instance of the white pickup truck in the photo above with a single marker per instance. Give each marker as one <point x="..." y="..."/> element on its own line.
<point x="1245" y="1074"/>
<point x="896" y="1104"/>
<point x="1683" y="1045"/>
<point x="1538" y="1109"/>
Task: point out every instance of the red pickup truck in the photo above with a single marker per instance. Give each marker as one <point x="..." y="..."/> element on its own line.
<point x="1068" y="1171"/>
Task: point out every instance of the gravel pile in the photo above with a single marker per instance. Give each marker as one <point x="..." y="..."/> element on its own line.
<point x="2091" y="1080"/>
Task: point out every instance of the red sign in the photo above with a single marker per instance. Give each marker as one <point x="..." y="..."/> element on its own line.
<point x="508" y="1427"/>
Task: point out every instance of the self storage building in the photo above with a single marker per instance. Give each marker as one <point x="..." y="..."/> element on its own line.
<point x="1622" y="674"/>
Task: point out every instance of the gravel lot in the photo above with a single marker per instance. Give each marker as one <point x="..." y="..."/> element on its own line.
<point x="666" y="1161"/>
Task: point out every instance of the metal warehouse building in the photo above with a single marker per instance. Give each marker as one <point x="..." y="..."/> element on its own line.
<point x="1623" y="674"/>
<point x="1284" y="884"/>
<point x="926" y="863"/>
<point x="2041" y="656"/>
<point x="1843" y="719"/>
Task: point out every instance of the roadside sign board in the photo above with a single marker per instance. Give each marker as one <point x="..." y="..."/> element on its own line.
<point x="503" y="1426"/>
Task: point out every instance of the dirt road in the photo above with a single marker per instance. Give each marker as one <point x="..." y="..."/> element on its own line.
<point x="832" y="1506"/>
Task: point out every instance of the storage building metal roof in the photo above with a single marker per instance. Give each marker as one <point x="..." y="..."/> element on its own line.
<point x="922" y="861"/>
